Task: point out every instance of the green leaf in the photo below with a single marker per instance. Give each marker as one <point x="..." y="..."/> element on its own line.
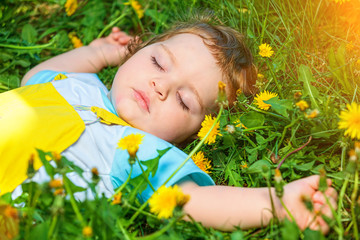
<point x="29" y="33"/>
<point x="153" y="164"/>
<point x="313" y="235"/>
<point x="139" y="182"/>
<point x="337" y="66"/>
<point x="232" y="175"/>
<point x="74" y="188"/>
<point x="289" y="230"/>
<point x="50" y="170"/>
<point x="22" y="62"/>
<point x="257" y="166"/>
<point x="307" y="78"/>
<point x="304" y="166"/>
<point x="252" y="119"/>
<point x="40" y="231"/>
<point x="280" y="106"/>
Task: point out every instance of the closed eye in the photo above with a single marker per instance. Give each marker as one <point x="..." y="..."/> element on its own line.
<point x="182" y="104"/>
<point x="156" y="64"/>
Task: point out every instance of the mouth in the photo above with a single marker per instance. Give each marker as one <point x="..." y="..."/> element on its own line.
<point x="142" y="100"/>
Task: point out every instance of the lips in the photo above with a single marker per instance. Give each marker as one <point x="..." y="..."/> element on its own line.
<point x="142" y="100"/>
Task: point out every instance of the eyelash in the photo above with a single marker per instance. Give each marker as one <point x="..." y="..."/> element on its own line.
<point x="156" y="64"/>
<point x="183" y="105"/>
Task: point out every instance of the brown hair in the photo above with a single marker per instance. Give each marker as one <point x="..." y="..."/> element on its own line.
<point x="226" y="45"/>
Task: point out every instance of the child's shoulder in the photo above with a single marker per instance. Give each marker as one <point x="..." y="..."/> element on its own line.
<point x="45" y="76"/>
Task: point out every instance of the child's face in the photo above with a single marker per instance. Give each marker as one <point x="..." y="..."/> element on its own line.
<point x="166" y="88"/>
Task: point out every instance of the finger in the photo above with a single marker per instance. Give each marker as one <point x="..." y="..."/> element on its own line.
<point x="115" y="29"/>
<point x="312" y="181"/>
<point x="319" y="197"/>
<point x="124" y="40"/>
<point x="329" y="182"/>
<point x="319" y="224"/>
<point x="331" y="192"/>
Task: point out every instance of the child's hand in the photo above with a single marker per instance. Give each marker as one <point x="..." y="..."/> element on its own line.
<point x="111" y="49"/>
<point x="307" y="188"/>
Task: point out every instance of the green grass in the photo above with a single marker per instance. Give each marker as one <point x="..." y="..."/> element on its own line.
<point x="311" y="41"/>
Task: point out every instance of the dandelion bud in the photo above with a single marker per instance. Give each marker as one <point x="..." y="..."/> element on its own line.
<point x="58" y="205"/>
<point x="222" y="99"/>
<point x="357" y="147"/>
<point x="95" y="175"/>
<point x="323" y="181"/>
<point x="297" y="95"/>
<point x="59" y="192"/>
<point x="351" y="166"/>
<point x="313" y="114"/>
<point x="87" y="231"/>
<point x="31" y="171"/>
<point x="55" y="183"/>
<point x="279" y="184"/>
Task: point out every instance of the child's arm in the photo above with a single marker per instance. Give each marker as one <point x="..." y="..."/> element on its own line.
<point x="225" y="207"/>
<point x="100" y="53"/>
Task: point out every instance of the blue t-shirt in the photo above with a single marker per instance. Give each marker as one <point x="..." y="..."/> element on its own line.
<point x="97" y="146"/>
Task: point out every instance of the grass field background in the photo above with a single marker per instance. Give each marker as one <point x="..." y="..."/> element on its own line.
<point x="316" y="46"/>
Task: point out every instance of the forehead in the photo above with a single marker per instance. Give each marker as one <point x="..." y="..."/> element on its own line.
<point x="194" y="64"/>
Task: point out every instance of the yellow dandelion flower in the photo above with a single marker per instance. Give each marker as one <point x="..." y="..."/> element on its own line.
<point x="313" y="114"/>
<point x="165" y="199"/>
<point x="11" y="212"/>
<point x="260" y="76"/>
<point x="238" y="92"/>
<point x="350" y="120"/>
<point x="205" y="127"/>
<point x="265" y="50"/>
<point x="117" y="198"/>
<point x="221" y="86"/>
<point x="303" y="105"/>
<point x="201" y="161"/>
<point x="87" y="231"/>
<point x="131" y="143"/>
<point x="76" y="42"/>
<point x="244" y="165"/>
<point x="137" y="7"/>
<point x="9" y="221"/>
<point x="55" y="183"/>
<point x="70" y="7"/>
<point x="264" y="96"/>
<point x="358" y="62"/>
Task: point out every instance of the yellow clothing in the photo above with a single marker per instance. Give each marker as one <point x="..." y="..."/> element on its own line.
<point x="33" y="117"/>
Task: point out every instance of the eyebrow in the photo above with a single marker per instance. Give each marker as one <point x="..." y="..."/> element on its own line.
<point x="171" y="55"/>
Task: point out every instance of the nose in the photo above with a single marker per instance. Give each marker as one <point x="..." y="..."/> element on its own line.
<point x="161" y="88"/>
